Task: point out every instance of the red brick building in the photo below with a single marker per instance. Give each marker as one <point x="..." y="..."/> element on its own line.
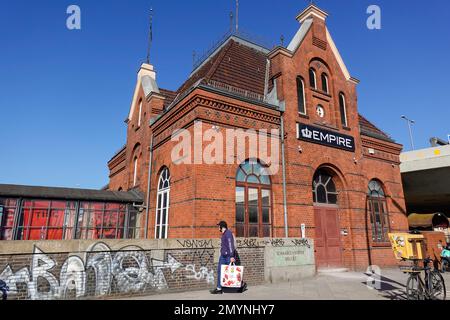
<point x="339" y="175"/>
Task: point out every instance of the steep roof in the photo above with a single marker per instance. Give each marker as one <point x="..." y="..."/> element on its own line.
<point x="369" y="129"/>
<point x="237" y="63"/>
<point x="169" y="95"/>
<point x="243" y="65"/>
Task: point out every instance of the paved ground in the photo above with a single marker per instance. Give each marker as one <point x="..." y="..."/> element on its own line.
<point x="329" y="286"/>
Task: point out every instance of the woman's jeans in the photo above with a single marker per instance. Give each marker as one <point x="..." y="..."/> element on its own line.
<point x="222" y="260"/>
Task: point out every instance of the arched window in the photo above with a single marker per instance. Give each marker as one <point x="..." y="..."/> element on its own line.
<point x="135" y="171"/>
<point x="162" y="205"/>
<point x="312" y="78"/>
<point x="343" y="109"/>
<point x="377" y="209"/>
<point x="140" y="113"/>
<point x="253" y="200"/>
<point x="324" y="189"/>
<point x="301" y="95"/>
<point x="324" y="83"/>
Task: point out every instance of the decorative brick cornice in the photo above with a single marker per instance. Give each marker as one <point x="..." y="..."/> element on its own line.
<point x="211" y="109"/>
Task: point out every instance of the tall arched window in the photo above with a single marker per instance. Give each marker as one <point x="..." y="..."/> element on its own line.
<point x="377" y="209"/>
<point x="253" y="200"/>
<point x="301" y="95"/>
<point x="324" y="189"/>
<point x="324" y="83"/>
<point x="135" y="171"/>
<point x="162" y="205"/>
<point x="343" y="109"/>
<point x="140" y="113"/>
<point x="312" y="78"/>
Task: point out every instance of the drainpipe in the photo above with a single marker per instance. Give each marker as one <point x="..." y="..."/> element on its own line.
<point x="283" y="166"/>
<point x="150" y="160"/>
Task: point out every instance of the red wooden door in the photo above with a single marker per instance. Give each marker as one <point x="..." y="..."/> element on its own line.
<point x="327" y="241"/>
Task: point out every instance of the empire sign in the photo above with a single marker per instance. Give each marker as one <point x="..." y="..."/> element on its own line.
<point x="325" y="137"/>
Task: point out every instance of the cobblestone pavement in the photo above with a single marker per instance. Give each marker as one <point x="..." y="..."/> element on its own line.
<point x="328" y="286"/>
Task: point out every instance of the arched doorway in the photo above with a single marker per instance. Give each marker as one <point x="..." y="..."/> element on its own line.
<point x="326" y="218"/>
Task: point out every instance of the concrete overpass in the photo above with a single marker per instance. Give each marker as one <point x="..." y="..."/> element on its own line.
<point x="426" y="180"/>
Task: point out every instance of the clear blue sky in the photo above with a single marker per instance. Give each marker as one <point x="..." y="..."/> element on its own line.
<point x="64" y="94"/>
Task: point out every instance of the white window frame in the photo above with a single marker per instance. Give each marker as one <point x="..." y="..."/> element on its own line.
<point x="140" y="113"/>
<point x="304" y="98"/>
<point x="315" y="77"/>
<point x="159" y="206"/>
<point x="345" y="107"/>
<point x="135" y="171"/>
<point x="326" y="82"/>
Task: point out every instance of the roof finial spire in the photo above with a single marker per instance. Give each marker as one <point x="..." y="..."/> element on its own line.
<point x="237" y="15"/>
<point x="150" y="37"/>
<point x="231" y="21"/>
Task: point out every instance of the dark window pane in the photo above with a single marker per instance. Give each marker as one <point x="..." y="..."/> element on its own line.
<point x="253" y="231"/>
<point x="301" y="96"/>
<point x="157" y="233"/>
<point x="266" y="215"/>
<point x="324" y="83"/>
<point x="165" y="200"/>
<point x="331" y="186"/>
<point x="240" y="213"/>
<point x="163" y="232"/>
<point x="343" y="110"/>
<point x="321" y="194"/>
<point x="332" y="198"/>
<point x="312" y="78"/>
<point x="253" y="214"/>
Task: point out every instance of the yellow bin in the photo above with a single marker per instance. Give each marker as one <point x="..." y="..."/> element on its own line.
<point x="407" y="246"/>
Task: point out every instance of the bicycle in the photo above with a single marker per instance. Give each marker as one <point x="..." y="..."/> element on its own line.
<point x="431" y="287"/>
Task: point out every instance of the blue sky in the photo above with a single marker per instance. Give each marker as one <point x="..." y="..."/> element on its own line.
<point x="64" y="94"/>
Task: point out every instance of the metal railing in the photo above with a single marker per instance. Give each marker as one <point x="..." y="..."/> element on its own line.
<point x="257" y="40"/>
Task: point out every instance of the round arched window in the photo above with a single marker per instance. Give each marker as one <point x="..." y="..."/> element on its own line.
<point x="162" y="205"/>
<point x="253" y="200"/>
<point x="378" y="212"/>
<point x="324" y="189"/>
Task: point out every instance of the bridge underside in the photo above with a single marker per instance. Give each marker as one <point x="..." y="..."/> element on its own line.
<point x="427" y="191"/>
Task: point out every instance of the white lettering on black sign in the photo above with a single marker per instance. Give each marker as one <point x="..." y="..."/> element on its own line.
<point x="325" y="137"/>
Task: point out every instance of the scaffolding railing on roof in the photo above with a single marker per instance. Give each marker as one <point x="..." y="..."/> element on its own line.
<point x="257" y="40"/>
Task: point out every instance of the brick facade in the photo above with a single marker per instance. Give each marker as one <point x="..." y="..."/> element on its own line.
<point x="203" y="194"/>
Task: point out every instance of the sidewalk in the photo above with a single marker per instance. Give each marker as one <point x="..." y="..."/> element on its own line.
<point x="329" y="286"/>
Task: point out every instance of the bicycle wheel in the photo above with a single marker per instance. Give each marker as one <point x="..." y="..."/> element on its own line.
<point x="413" y="288"/>
<point x="436" y="285"/>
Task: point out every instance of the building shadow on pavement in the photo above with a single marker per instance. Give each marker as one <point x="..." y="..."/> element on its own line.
<point x="386" y="287"/>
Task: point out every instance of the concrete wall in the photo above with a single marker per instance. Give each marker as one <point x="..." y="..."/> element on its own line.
<point x="84" y="269"/>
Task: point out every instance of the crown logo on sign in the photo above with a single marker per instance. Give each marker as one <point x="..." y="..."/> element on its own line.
<point x="306" y="133"/>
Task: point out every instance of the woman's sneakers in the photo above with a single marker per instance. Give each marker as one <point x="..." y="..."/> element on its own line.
<point x="216" y="291"/>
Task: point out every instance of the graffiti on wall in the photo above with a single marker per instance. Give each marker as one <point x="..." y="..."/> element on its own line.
<point x="275" y="242"/>
<point x="128" y="270"/>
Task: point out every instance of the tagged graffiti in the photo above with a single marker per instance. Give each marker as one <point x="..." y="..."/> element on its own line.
<point x="196" y="244"/>
<point x="128" y="270"/>
<point x="301" y="243"/>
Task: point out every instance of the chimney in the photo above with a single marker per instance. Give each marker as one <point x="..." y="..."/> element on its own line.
<point x="310" y="12"/>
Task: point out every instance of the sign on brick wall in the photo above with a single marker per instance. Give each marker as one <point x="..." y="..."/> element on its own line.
<point x="325" y="137"/>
